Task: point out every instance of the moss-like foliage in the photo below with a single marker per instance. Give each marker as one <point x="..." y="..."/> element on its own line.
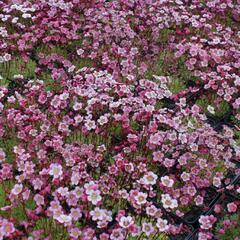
<point x="51" y="229"/>
<point x="17" y="66"/>
<point x="220" y="109"/>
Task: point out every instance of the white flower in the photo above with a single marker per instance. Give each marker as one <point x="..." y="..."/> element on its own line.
<point x="150" y="178"/>
<point x="94" y="197"/>
<point x="76" y="213"/>
<point x="166" y="181"/>
<point x="89" y="187"/>
<point x="151" y="210"/>
<point x="75" y="233"/>
<point x="39" y="199"/>
<point x="141" y="198"/>
<point x="147" y="228"/>
<point x="2" y="155"/>
<point x="125" y="222"/>
<point x="75" y="178"/>
<point x="102" y="120"/>
<point x="17" y="189"/>
<point x="78" y="119"/>
<point x="80" y="51"/>
<point x="18" y="76"/>
<point x="211" y="109"/>
<point x="191" y="190"/>
<point x="162" y="225"/>
<point x="71" y="69"/>
<point x="7" y="57"/>
<point x="26" y="15"/>
<point x="216" y="182"/>
<point x="63" y="218"/>
<point x="169" y="202"/>
<point x="55" y="170"/>
<point x="63" y="191"/>
<point x="97" y="214"/>
<point x="77" y="106"/>
<point x="185" y="176"/>
<point x="198" y="200"/>
<point x="33" y="132"/>
<point x="89" y="124"/>
<point x="64" y="96"/>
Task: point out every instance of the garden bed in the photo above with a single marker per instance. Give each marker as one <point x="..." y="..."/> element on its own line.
<point x="119" y="120"/>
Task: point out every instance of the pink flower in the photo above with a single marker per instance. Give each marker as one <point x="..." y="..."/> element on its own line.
<point x="102" y="120"/>
<point x="6" y="228"/>
<point x="217" y="182"/>
<point x="168" y="202"/>
<point x="149" y="178"/>
<point x="39" y="199"/>
<point x="198" y="200"/>
<point x="94" y="197"/>
<point x="90" y="125"/>
<point x="167" y="182"/>
<point x="77" y="106"/>
<point x="148" y="229"/>
<point x="217" y="208"/>
<point x="162" y="225"/>
<point x="168" y="162"/>
<point x="75" y="213"/>
<point x="151" y="210"/>
<point x="232" y="207"/>
<point x="191" y="191"/>
<point x="37" y="184"/>
<point x="185" y="176"/>
<point x="158" y="156"/>
<point x="56" y="170"/>
<point x="141" y="198"/>
<point x="126" y="222"/>
<point x="75" y="233"/>
<point x="103" y="236"/>
<point x="117" y="234"/>
<point x="17" y="189"/>
<point x="80" y="52"/>
<point x="205" y="236"/>
<point x="155" y="139"/>
<point x="97" y="214"/>
<point x="206" y="222"/>
<point x="63" y="218"/>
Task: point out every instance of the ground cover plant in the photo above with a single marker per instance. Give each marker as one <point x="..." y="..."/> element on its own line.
<point x="119" y="119"/>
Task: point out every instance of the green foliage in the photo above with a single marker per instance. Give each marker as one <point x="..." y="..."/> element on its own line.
<point x="158" y="67"/>
<point x="220" y="110"/>
<point x="180" y="75"/>
<point x="161" y="236"/>
<point x="15" y="67"/>
<point x="3" y="80"/>
<point x="176" y="85"/>
<point x="7" y="145"/>
<point x="51" y="229"/>
<point x="91" y="138"/>
<point x="83" y="62"/>
<point x="164" y="35"/>
<point x="17" y="211"/>
<point x="3" y="187"/>
<point x="50" y="50"/>
<point x="135" y="125"/>
<point x="237" y="136"/>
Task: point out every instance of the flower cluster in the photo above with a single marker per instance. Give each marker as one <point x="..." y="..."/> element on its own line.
<point x="223" y="222"/>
